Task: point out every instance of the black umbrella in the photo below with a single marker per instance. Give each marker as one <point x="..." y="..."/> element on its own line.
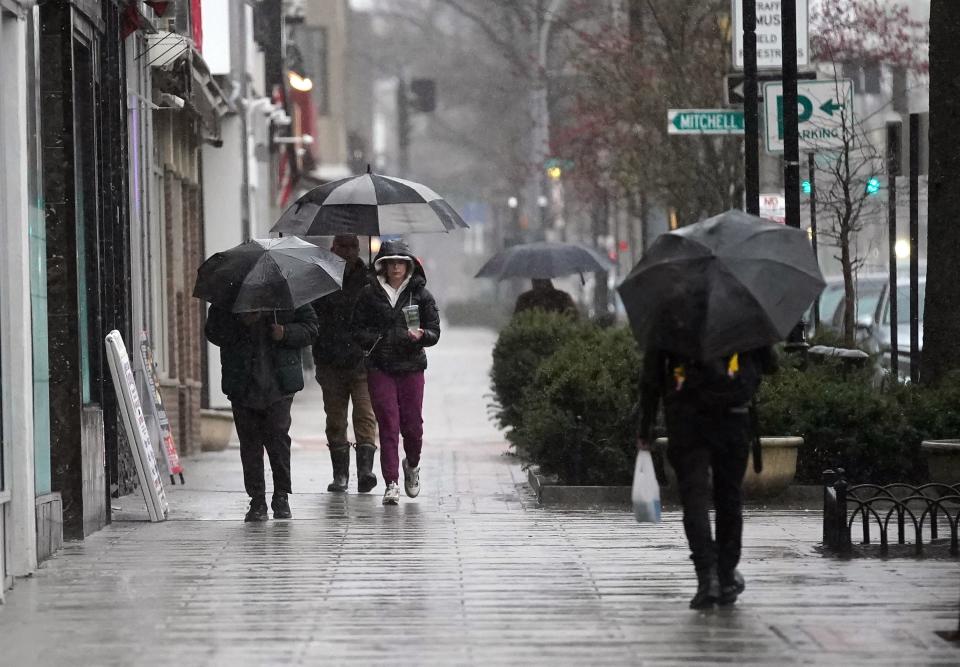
<point x="730" y="283"/>
<point x="543" y="259"/>
<point x="369" y="205"/>
<point x="268" y="274"/>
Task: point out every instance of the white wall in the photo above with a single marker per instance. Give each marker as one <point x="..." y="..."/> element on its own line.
<point x="216" y="35"/>
<point x="223" y="217"/>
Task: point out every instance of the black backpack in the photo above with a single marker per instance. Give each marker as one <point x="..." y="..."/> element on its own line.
<point x="723" y="383"/>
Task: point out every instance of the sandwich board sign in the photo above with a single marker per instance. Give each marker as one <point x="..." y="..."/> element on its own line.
<point x="825" y="114"/>
<point x="167" y="445"/>
<point x="135" y="427"/>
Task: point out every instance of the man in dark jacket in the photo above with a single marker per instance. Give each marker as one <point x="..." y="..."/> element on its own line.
<point x="261" y="366"/>
<point x="395" y="319"/>
<point x="342" y="375"/>
<point x="544" y="296"/>
<point x="706" y="409"/>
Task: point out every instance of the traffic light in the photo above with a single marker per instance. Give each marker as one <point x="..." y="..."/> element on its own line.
<point x="805" y="186"/>
<point x="873" y="185"/>
<point x="554" y="172"/>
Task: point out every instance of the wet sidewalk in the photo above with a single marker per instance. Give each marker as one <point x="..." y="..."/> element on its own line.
<point x="472" y="572"/>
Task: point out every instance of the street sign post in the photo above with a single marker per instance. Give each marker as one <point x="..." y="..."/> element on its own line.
<point x="825" y="111"/>
<point x="769" y="39"/>
<point x="704" y="121"/>
<point x="735" y="84"/>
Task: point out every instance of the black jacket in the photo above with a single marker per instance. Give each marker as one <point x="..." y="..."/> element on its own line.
<point x="335" y="345"/>
<point x="380" y="329"/>
<point x="238" y="348"/>
<point x="659" y="382"/>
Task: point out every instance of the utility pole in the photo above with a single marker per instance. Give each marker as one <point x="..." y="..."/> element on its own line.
<point x="812" y="176"/>
<point x="914" y="249"/>
<point x="894" y="133"/>
<point x="403" y="128"/>
<point x="751" y="109"/>
<point x="791" y="136"/>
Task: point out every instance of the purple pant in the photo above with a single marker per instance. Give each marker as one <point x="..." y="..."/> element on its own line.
<point x="398" y="404"/>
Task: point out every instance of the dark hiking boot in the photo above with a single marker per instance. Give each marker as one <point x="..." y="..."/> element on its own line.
<point x="281" y="506"/>
<point x="340" y="458"/>
<point x="366" y="480"/>
<point x="258" y="509"/>
<point x="731" y="586"/>
<point x="708" y="589"/>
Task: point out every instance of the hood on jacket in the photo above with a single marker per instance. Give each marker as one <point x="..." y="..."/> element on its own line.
<point x="399" y="250"/>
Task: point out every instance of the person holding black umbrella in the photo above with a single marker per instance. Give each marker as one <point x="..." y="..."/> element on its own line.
<point x="707" y="415"/>
<point x="260" y="317"/>
<point x="708" y="300"/>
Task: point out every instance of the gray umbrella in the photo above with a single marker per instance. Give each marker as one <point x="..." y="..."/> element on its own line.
<point x="543" y="259"/>
<point x="268" y="274"/>
<point x="730" y="283"/>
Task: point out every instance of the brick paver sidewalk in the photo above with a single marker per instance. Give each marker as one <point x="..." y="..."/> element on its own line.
<point x="472" y="572"/>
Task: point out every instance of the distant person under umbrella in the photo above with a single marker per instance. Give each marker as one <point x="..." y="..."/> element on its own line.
<point x="544" y="296"/>
<point x="395" y="319"/>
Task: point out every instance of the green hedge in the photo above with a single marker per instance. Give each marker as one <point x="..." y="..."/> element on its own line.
<point x="529" y="339"/>
<point x="567" y="393"/>
<point x="873" y="433"/>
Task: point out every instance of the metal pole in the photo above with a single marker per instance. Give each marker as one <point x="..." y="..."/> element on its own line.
<point x="751" y="110"/>
<point x="403" y="128"/>
<point x="914" y="248"/>
<point x="791" y="136"/>
<point x="812" y="175"/>
<point x="893" y="170"/>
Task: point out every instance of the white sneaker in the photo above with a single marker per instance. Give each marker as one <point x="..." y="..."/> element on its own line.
<point x="411" y="480"/>
<point x="392" y="495"/>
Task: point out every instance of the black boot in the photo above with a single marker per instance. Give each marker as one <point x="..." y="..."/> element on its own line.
<point x="340" y="458"/>
<point x="708" y="588"/>
<point x="280" y="505"/>
<point x="258" y="509"/>
<point x="366" y="480"/>
<point x="731" y="586"/>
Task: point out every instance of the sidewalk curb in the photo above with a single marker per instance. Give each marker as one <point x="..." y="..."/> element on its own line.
<point x="550" y="493"/>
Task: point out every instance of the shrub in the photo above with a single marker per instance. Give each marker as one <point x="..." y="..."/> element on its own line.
<point x="580" y="410"/>
<point x="524" y="343"/>
<point x="874" y="434"/>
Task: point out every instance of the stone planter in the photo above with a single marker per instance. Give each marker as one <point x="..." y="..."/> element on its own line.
<point x="943" y="460"/>
<point x="216" y="429"/>
<point x="779" y="467"/>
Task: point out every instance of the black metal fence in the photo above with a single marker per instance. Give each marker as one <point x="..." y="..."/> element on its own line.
<point x="928" y="514"/>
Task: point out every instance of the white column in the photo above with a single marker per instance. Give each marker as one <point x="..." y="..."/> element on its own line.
<point x="16" y="342"/>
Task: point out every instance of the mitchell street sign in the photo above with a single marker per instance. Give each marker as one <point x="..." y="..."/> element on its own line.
<point x="704" y="121"/>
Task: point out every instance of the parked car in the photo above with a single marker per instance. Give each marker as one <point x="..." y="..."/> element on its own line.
<point x="868" y="291"/>
<point x="875" y="329"/>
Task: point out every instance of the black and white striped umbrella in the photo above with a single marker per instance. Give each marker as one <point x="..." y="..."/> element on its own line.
<point x="369" y="205"/>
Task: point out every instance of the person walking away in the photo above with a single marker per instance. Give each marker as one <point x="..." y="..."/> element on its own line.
<point x="706" y="410"/>
<point x="544" y="296"/>
<point x="261" y="368"/>
<point x="395" y="319"/>
<point x="342" y="375"/>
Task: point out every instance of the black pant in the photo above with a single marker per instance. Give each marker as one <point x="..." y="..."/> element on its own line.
<point x="701" y="442"/>
<point x="260" y="429"/>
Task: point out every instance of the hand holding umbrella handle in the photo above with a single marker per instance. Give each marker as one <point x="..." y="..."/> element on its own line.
<point x="277" y="332"/>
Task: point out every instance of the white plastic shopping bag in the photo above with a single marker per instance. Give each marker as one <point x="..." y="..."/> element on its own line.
<point x="646" y="491"/>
